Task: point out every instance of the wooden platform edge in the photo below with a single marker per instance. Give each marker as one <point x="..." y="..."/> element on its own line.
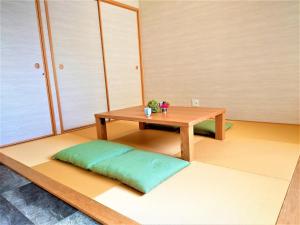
<point x="289" y="212"/>
<point x="92" y="208"/>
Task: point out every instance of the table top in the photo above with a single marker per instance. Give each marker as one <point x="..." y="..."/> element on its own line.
<point x="176" y="115"/>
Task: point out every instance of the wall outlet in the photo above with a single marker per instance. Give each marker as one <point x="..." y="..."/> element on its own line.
<point x="195" y="102"/>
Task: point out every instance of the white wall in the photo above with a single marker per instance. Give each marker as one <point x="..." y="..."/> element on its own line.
<point x="120" y="41"/>
<point x="241" y="55"/>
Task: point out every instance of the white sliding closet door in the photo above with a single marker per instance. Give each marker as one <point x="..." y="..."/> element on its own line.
<point x="78" y="60"/>
<point x="121" y="46"/>
<point x="24" y="106"/>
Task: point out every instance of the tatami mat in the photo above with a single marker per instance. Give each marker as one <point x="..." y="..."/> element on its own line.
<point x="287" y="133"/>
<point x="83" y="181"/>
<point x="127" y="132"/>
<point x="269" y="158"/>
<point x="40" y="151"/>
<point x="203" y="194"/>
<point x="115" y="129"/>
<point x="249" y="146"/>
<point x="241" y="180"/>
<point x="154" y="140"/>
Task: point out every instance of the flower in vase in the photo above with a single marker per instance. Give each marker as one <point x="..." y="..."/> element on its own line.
<point x="164" y="106"/>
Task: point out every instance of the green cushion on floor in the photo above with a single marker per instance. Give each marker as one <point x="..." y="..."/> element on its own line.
<point x="162" y="127"/>
<point x="87" y="154"/>
<point x="141" y="170"/>
<point x="207" y="128"/>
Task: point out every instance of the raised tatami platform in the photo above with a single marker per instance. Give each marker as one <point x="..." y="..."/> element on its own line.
<point x="203" y="194"/>
<point x="242" y="180"/>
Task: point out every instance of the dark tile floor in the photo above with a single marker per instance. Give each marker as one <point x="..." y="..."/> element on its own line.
<point x="24" y="203"/>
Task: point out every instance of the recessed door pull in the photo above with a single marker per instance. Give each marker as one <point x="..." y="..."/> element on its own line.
<point x="61" y="66"/>
<point x="37" y="66"/>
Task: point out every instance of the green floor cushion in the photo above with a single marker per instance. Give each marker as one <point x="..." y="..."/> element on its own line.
<point x="139" y="169"/>
<point x="162" y="127"/>
<point x="207" y="127"/>
<point x="87" y="154"/>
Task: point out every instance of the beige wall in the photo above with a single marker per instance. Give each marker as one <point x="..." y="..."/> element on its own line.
<point x="134" y="3"/>
<point x="242" y="55"/>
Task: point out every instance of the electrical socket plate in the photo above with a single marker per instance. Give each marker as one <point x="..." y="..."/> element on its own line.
<point x="195" y="102"/>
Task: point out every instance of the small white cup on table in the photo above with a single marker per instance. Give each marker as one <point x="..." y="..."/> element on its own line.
<point x="147" y="111"/>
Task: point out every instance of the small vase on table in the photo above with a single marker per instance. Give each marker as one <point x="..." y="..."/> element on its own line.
<point x="164" y="106"/>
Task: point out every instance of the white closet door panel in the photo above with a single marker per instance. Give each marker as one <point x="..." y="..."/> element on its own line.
<point x="24" y="102"/>
<point x="120" y="34"/>
<point x="77" y="46"/>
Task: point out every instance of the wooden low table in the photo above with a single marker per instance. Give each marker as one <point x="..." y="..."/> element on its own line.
<point x="184" y="117"/>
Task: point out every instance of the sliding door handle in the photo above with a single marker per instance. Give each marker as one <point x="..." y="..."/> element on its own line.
<point x="61" y="66"/>
<point x="37" y="66"/>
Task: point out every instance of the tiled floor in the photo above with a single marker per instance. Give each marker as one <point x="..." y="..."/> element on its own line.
<point x="24" y="203"/>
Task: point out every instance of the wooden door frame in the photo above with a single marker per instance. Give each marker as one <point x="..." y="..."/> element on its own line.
<point x="53" y="65"/>
<point x="52" y="53"/>
<point x="137" y="11"/>
<point x="45" y="63"/>
<point x="47" y="78"/>
<point x="103" y="56"/>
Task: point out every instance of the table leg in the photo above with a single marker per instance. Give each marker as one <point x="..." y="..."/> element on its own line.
<point x="101" y="128"/>
<point x="220" y="126"/>
<point x="141" y="125"/>
<point x="187" y="142"/>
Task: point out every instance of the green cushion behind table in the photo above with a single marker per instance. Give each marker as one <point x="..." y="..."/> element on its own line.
<point x="207" y="127"/>
<point x="162" y="127"/>
<point x="139" y="169"/>
<point x="87" y="154"/>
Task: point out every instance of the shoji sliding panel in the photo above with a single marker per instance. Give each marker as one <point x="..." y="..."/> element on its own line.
<point x="78" y="60"/>
<point x="24" y="106"/>
<point x="121" y="46"/>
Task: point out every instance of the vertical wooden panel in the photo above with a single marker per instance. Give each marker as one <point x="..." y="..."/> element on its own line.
<point x="141" y="56"/>
<point x="48" y="58"/>
<point x="45" y="63"/>
<point x="103" y="55"/>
